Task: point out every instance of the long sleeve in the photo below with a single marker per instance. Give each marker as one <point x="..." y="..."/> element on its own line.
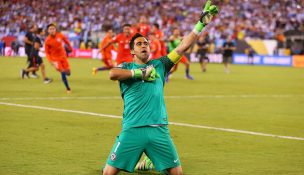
<point x="67" y="42"/>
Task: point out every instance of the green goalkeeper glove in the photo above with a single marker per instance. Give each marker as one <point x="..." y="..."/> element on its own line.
<point x="149" y="73"/>
<point x="206" y="16"/>
<point x="153" y="75"/>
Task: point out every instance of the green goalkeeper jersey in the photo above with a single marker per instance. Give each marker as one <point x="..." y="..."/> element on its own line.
<point x="144" y="102"/>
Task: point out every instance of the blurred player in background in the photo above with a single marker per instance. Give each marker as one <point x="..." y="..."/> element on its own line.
<point x="145" y="120"/>
<point x="202" y="52"/>
<point x="143" y="26"/>
<point x="56" y="54"/>
<point x="15" y="48"/>
<point x="28" y="44"/>
<point x="160" y="35"/>
<point x="2" y="48"/>
<point x="123" y="39"/>
<point x="156" y="50"/>
<point x="174" y="41"/>
<point x="35" y="60"/>
<point x="106" y="52"/>
<point x="134" y="29"/>
<point x="228" y="49"/>
<point x="250" y="54"/>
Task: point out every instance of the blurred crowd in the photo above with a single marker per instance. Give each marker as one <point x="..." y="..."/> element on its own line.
<point x="84" y="20"/>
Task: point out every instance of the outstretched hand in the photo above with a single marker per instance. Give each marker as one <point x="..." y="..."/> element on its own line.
<point x="208" y="12"/>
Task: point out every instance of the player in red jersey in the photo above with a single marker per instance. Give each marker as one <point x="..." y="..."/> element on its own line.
<point x="106" y="52"/>
<point x="160" y="35"/>
<point x="56" y="54"/>
<point x="134" y="29"/>
<point x="143" y="26"/>
<point x="155" y="46"/>
<point x="123" y="39"/>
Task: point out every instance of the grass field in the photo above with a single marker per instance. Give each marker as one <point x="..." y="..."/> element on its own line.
<point x="45" y="131"/>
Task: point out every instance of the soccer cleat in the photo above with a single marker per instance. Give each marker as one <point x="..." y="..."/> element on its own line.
<point x="47" y="80"/>
<point x="69" y="91"/>
<point x="144" y="165"/>
<point x="94" y="71"/>
<point x="34" y="76"/>
<point x="23" y="74"/>
<point x="189" y="77"/>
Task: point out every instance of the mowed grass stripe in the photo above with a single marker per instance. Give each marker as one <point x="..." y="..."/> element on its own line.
<point x="172" y="123"/>
<point x="166" y="97"/>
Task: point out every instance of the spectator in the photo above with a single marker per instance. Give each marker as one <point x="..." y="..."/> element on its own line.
<point x="249" y="19"/>
<point x="2" y="48"/>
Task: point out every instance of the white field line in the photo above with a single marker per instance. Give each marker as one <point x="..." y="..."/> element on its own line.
<point x="63" y="98"/>
<point x="171" y="123"/>
<point x="166" y="97"/>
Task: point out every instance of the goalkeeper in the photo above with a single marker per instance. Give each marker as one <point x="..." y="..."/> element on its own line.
<point x="145" y="120"/>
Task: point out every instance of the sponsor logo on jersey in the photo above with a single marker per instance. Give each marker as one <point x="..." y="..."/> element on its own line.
<point x="113" y="157"/>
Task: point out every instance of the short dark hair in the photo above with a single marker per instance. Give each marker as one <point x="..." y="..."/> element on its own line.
<point x="52" y="24"/>
<point x="39" y="30"/>
<point x="137" y="35"/>
<point x="107" y="28"/>
<point x="126" y="25"/>
<point x="156" y="25"/>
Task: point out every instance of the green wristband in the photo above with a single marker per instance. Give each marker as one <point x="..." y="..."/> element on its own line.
<point x="137" y="73"/>
<point x="199" y="27"/>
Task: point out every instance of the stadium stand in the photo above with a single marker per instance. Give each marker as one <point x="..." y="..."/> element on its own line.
<point x="282" y="20"/>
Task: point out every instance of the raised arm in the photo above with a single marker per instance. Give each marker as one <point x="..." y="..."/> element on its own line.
<point x="206" y="16"/>
<point x="67" y="42"/>
<point x="106" y="45"/>
<point x="114" y="40"/>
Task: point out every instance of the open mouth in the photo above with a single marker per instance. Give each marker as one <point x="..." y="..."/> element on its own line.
<point x="144" y="51"/>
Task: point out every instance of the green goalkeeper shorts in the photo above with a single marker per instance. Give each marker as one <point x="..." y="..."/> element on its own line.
<point x="155" y="142"/>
